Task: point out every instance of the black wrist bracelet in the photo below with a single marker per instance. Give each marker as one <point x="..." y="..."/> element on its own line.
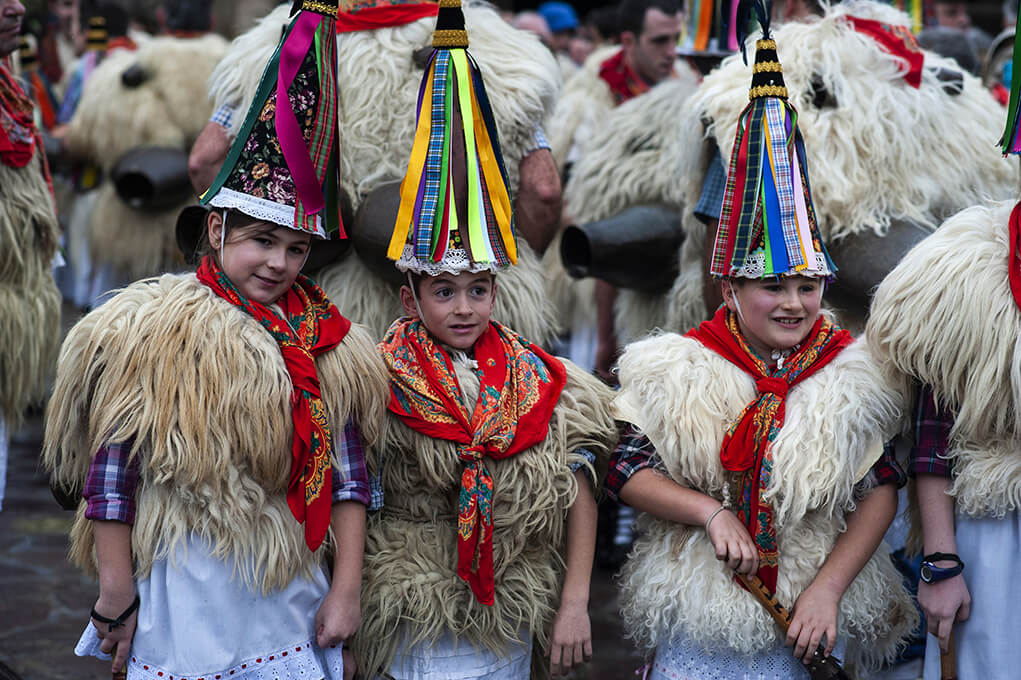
<point x="928" y="572"/>
<point x="119" y="621"/>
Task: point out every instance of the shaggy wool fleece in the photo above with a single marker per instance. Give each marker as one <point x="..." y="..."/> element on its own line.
<point x="410" y="575"/>
<point x="945" y="316"/>
<point x="29" y="300"/>
<point x="206" y="471"/>
<point x="683" y="396"/>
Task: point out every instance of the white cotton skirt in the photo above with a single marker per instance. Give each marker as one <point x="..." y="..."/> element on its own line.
<point x="196" y="622"/>
<point x="683" y="659"/>
<point x="991" y="636"/>
<point x="448" y="659"/>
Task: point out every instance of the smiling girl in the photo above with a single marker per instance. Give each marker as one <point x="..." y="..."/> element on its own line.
<point x="216" y="421"/>
<point x="756" y="446"/>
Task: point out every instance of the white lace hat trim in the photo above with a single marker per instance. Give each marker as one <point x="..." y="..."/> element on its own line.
<point x="262" y="209"/>
<point x="754" y="267"/>
<point x="455" y="261"/>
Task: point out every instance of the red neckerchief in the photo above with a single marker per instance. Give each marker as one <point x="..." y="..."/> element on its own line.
<point x="121" y="42"/>
<point x="519" y="387"/>
<point x="19" y="138"/>
<point x="1014" y="258"/>
<point x="310" y="326"/>
<point x="624" y="83"/>
<point x="747" y="444"/>
<point x="384" y="16"/>
<point x="898" y="41"/>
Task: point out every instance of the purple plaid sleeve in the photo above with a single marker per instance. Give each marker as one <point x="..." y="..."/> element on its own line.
<point x="110" y="486"/>
<point x="350" y="477"/>
<point x="634" y="452"/>
<point x="932" y="437"/>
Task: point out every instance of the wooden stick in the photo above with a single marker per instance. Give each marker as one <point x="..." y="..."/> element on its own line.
<point x="822" y="667"/>
<point x="948" y="661"/>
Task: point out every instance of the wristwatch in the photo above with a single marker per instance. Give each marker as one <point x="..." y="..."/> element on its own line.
<point x="930" y="573"/>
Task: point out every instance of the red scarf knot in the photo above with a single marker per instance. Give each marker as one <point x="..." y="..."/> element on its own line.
<point x="774" y="386"/>
<point x="311" y="325"/>
<point x="518" y="391"/>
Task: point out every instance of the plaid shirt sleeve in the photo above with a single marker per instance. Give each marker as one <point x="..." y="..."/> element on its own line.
<point x="223" y="115"/>
<point x="886" y="470"/>
<point x="110" y="486"/>
<point x="932" y="427"/>
<point x="350" y="477"/>
<point x="710" y="201"/>
<point x="634" y="452"/>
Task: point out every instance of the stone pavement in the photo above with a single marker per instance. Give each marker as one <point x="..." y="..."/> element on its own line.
<point x="45" y="602"/>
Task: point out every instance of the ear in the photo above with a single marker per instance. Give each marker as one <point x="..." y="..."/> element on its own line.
<point x="214" y="227"/>
<point x="492" y="296"/>
<point x="408" y="301"/>
<point x="728" y="291"/>
<point x="628" y="39"/>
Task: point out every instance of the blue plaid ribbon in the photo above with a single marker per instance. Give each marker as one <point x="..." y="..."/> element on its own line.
<point x="426" y="219"/>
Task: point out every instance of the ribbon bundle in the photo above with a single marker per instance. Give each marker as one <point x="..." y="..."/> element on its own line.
<point x="455" y="149"/>
<point x="1010" y="142"/>
<point x="312" y="164"/>
<point x="713" y="24"/>
<point x="767" y="201"/>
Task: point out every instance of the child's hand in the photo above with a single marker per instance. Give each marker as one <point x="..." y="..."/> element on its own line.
<point x="944" y="603"/>
<point x="338" y="616"/>
<point x="733" y="543"/>
<point x="571" y="642"/>
<point x="815" y="615"/>
<point x="116" y="642"/>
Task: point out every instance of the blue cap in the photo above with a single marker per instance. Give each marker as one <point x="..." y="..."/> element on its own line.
<point x="559" y="15"/>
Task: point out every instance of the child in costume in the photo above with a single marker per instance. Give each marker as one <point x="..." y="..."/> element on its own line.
<point x="948" y="317"/>
<point x="757" y="444"/>
<point x="486" y="535"/>
<point x="216" y="421"/>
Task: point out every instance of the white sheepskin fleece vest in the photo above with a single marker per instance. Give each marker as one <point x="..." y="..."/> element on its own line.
<point x="945" y="317"/>
<point x="202" y="390"/>
<point x="410" y="573"/>
<point x="683" y="396"/>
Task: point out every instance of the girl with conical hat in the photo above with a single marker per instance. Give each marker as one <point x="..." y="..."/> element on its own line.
<point x="215" y="423"/>
<point x="757" y="444"/>
<point x="478" y="564"/>
<point x="948" y="318"/>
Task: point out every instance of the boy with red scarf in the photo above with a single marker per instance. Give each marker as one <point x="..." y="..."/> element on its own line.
<point x="215" y="423"/>
<point x="487" y="531"/>
<point x="757" y="443"/>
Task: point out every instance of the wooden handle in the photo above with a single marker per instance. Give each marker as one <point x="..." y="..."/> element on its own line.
<point x="948" y="661"/>
<point x="767" y="599"/>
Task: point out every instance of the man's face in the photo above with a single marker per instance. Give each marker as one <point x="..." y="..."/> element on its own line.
<point x="652" y="53"/>
<point x="11" y="12"/>
<point x="952" y="14"/>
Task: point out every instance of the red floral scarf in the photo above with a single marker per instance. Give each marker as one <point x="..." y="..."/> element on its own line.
<point x="520" y="385"/>
<point x="624" y="83"/>
<point x="310" y="326"/>
<point x="747" y="447"/>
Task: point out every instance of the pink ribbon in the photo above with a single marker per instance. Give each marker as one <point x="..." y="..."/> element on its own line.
<point x="292" y="143"/>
